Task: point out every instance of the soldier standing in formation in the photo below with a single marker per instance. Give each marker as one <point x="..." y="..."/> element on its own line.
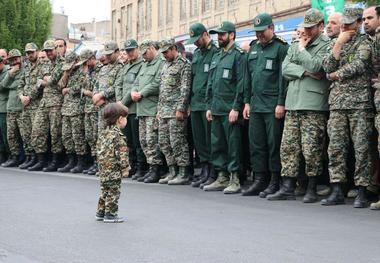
<point x="4" y="148"/>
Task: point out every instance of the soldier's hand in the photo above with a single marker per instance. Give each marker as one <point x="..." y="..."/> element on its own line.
<point x="233" y="117"/>
<point x="158" y="116"/>
<point x="24" y="100"/>
<point x="279" y="112"/>
<point x="246" y="111"/>
<point x="317" y="76"/>
<point x="345" y="36"/>
<point x="96" y="98"/>
<point x="179" y="115"/>
<point x="87" y="93"/>
<point x="303" y="41"/>
<point x="209" y="115"/>
<point x="100" y="102"/>
<point x="332" y="76"/>
<point x="125" y="173"/>
<point x="136" y="96"/>
<point x="14" y="69"/>
<point x="65" y="91"/>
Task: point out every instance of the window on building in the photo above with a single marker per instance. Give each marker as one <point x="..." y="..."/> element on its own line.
<point x="114" y="24"/>
<point x="183" y="9"/>
<point x="169" y="11"/>
<point x="232" y="2"/>
<point x="122" y="22"/>
<point x="148" y="17"/>
<point x="140" y="16"/>
<point x="194" y="7"/>
<point x="129" y="21"/>
<point x="206" y="6"/>
<point x="219" y="4"/>
<point x="161" y="17"/>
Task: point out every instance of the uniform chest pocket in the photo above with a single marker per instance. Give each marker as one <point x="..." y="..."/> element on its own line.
<point x="270" y="62"/>
<point x="131" y="76"/>
<point x="227" y="71"/>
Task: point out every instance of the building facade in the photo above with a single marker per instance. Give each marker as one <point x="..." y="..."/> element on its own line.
<point x="59" y="28"/>
<point x="158" y="19"/>
<point x="96" y="31"/>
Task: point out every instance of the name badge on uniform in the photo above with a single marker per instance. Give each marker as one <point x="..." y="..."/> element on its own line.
<point x="206" y="67"/>
<point x="269" y="64"/>
<point x="226" y="72"/>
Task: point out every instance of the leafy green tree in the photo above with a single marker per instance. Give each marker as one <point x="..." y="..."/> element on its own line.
<point x="368" y="2"/>
<point x="23" y="21"/>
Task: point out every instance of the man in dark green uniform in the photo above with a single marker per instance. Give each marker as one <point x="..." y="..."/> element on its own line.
<point x="201" y="128"/>
<point x="224" y="109"/>
<point x="4" y="148"/>
<point x="265" y="105"/>
<point x="123" y="88"/>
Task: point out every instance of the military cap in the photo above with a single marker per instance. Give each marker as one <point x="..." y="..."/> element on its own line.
<point x="14" y="53"/>
<point x="262" y="22"/>
<point x="145" y="45"/>
<point x="70" y="58"/>
<point x="166" y="44"/>
<point x="195" y="32"/>
<point x="31" y="47"/>
<point x="225" y="27"/>
<point x="110" y="47"/>
<point x="312" y="17"/>
<point x="351" y="14"/>
<point x="49" y="45"/>
<point x="85" y="55"/>
<point x="130" y="44"/>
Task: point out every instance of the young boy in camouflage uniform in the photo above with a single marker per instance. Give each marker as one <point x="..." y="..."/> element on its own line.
<point x="112" y="153"/>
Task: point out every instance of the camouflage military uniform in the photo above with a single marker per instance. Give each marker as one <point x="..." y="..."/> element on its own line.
<point x="91" y="111"/>
<point x="112" y="153"/>
<point x="48" y="115"/>
<point x="73" y="137"/>
<point x="351" y="111"/>
<point x="174" y="96"/>
<point x="105" y="85"/>
<point x="26" y="88"/>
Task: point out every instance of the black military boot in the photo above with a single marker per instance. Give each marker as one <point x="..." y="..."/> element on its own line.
<point x="94" y="170"/>
<point x="53" y="165"/>
<point x="361" y="199"/>
<point x="257" y="186"/>
<point x="25" y="162"/>
<point x="33" y="160"/>
<point x="92" y="167"/>
<point x="3" y="157"/>
<point x="141" y="171"/>
<point x="70" y="164"/>
<point x="133" y="170"/>
<point x="336" y="197"/>
<point x="211" y="177"/>
<point x="154" y="176"/>
<point x="80" y="165"/>
<point x="273" y="187"/>
<point x="311" y="191"/>
<point x="147" y="174"/>
<point x="12" y="161"/>
<point x="203" y="176"/>
<point x="286" y="191"/>
<point x="39" y="165"/>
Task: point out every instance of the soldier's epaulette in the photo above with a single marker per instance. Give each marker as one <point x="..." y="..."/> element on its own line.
<point x="239" y="49"/>
<point x="281" y="40"/>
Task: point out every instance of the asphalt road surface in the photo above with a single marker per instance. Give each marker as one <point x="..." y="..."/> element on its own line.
<point x="49" y="217"/>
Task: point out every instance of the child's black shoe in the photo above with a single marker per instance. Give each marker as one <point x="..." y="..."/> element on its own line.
<point x="108" y="218"/>
<point x="99" y="216"/>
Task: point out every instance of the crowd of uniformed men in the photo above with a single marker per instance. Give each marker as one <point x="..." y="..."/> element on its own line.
<point x="286" y="98"/>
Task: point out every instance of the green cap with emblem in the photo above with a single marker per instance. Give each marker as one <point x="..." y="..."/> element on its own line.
<point x="166" y="44"/>
<point x="145" y="45"/>
<point x="85" y="55"/>
<point x="70" y="60"/>
<point x="14" y="53"/>
<point x="195" y="32"/>
<point x="49" y="45"/>
<point x="225" y="27"/>
<point x="351" y="14"/>
<point x="130" y="44"/>
<point x="312" y="18"/>
<point x="31" y="47"/>
<point x="110" y="47"/>
<point x="262" y="22"/>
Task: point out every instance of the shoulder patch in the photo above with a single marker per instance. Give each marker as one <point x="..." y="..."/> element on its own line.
<point x="281" y="40"/>
<point x="239" y="49"/>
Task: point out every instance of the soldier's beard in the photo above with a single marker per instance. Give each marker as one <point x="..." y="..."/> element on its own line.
<point x="223" y="43"/>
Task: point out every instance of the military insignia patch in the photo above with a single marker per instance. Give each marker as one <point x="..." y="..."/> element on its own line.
<point x="191" y="33"/>
<point x="129" y="42"/>
<point x="257" y="21"/>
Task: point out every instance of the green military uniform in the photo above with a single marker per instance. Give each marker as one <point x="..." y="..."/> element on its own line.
<point x="123" y="89"/>
<point x="4" y="148"/>
<point x="200" y="68"/>
<point x="148" y="84"/>
<point x="265" y="90"/>
<point x="224" y="94"/>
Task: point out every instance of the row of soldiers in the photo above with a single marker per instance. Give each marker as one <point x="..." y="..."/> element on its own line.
<point x="290" y="94"/>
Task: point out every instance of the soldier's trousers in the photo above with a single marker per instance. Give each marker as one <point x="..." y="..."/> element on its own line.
<point x="201" y="129"/>
<point x="73" y="134"/>
<point x="265" y="133"/>
<point x="148" y="131"/>
<point x="225" y="144"/>
<point x="343" y="125"/>
<point x="173" y="142"/>
<point x="13" y="132"/>
<point x="91" y="130"/>
<point x="136" y="154"/>
<point x="109" y="197"/>
<point x="4" y="148"/>
<point x="375" y="150"/>
<point x="304" y="133"/>
<point x="47" y="119"/>
<point x="26" y="129"/>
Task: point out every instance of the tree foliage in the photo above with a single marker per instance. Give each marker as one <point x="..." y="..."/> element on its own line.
<point x="23" y="21"/>
<point x="368" y="2"/>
